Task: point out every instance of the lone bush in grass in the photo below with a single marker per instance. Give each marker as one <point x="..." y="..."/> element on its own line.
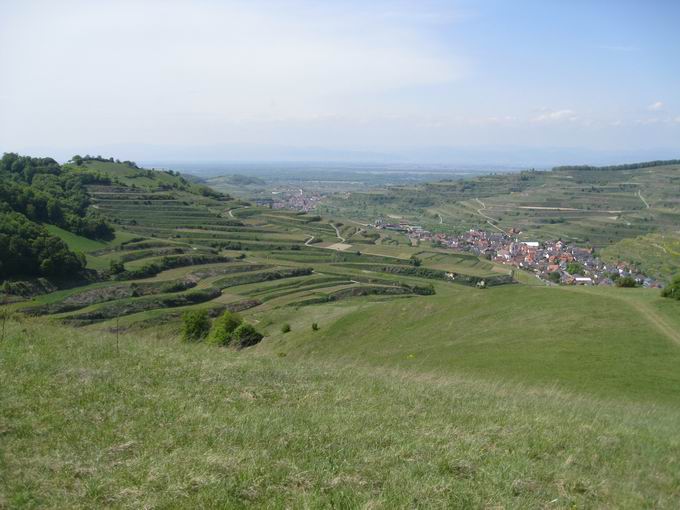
<point x="315" y="326"/>
<point x="285" y="328"/>
<point x="223" y="328"/>
<point x="673" y="289"/>
<point x="246" y="335"/>
<point x="195" y="325"/>
<point x="626" y="281"/>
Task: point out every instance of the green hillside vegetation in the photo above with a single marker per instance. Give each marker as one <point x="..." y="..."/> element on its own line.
<point x="388" y="374"/>
<point x="657" y="255"/>
<point x="589" y="205"/>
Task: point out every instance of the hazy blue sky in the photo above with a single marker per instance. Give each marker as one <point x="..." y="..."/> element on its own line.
<point x="157" y="78"/>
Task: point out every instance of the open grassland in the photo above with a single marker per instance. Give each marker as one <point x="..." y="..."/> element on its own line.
<point x="621" y="344"/>
<point x="149" y="422"/>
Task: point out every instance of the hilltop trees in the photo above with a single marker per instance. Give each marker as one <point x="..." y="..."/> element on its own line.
<point x="42" y="191"/>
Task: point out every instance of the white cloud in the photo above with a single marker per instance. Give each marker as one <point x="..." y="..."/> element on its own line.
<point x="235" y="60"/>
<point x="548" y="115"/>
<point x="656" y="106"/>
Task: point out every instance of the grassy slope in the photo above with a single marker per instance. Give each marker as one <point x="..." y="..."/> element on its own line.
<point x="163" y="424"/>
<point x="75" y="242"/>
<point x="595" y="343"/>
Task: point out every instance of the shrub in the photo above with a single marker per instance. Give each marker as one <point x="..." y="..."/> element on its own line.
<point x="195" y="325"/>
<point x="673" y="289"/>
<point x="246" y="335"/>
<point x="315" y="326"/>
<point x="223" y="328"/>
<point x="626" y="281"/>
<point x="116" y="267"/>
<point x="285" y="328"/>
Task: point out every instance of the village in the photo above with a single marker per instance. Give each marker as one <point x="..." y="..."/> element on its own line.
<point x="555" y="262"/>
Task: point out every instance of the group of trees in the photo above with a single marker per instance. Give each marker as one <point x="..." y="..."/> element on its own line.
<point x="80" y="160"/>
<point x="27" y="249"/>
<point x="42" y="191"/>
<point x="227" y="330"/>
<point x="35" y="191"/>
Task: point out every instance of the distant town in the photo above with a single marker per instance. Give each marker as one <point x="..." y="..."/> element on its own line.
<point x="551" y="261"/>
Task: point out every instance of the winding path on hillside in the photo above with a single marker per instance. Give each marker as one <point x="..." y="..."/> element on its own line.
<point x="311" y="238"/>
<point x="488" y="218"/>
<point x="441" y="220"/>
<point x="337" y="233"/>
<point x="639" y="193"/>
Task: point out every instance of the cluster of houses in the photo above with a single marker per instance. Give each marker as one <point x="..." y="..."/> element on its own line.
<point x="295" y="199"/>
<point x="552" y="261"/>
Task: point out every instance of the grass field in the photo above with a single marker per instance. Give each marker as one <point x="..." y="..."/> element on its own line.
<point x="150" y="422"/>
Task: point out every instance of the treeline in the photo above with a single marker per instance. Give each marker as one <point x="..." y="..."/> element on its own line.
<point x="629" y="166"/>
<point x="80" y="160"/>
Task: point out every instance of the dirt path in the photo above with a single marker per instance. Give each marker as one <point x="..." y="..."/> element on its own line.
<point x="488" y="218"/>
<point x="337" y="233"/>
<point x="656" y="319"/>
<point x="311" y="238"/>
<point x="441" y="220"/>
<point x="652" y="316"/>
<point x="639" y="193"/>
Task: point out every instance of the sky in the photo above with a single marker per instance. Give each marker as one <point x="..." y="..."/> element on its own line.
<point x="448" y="81"/>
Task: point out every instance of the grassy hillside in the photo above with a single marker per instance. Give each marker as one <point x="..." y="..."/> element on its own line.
<point x="657" y="255"/>
<point x="619" y="344"/>
<point x="148" y="422"/>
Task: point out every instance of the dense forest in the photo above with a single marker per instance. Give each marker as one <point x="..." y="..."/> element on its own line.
<point x="35" y="191"/>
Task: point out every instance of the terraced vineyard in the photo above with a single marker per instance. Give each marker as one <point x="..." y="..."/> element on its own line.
<point x="180" y="249"/>
<point x="591" y="206"/>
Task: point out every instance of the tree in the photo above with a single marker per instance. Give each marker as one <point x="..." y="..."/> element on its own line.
<point x="672" y="290"/>
<point x="246" y="335"/>
<point x="223" y="328"/>
<point x="554" y="277"/>
<point x="195" y="325"/>
<point x="574" y="268"/>
<point x="415" y="261"/>
<point x="116" y="267"/>
<point x="285" y="328"/>
<point x="315" y="326"/>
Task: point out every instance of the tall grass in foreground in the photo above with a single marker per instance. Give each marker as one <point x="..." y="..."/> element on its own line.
<point x="167" y="424"/>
